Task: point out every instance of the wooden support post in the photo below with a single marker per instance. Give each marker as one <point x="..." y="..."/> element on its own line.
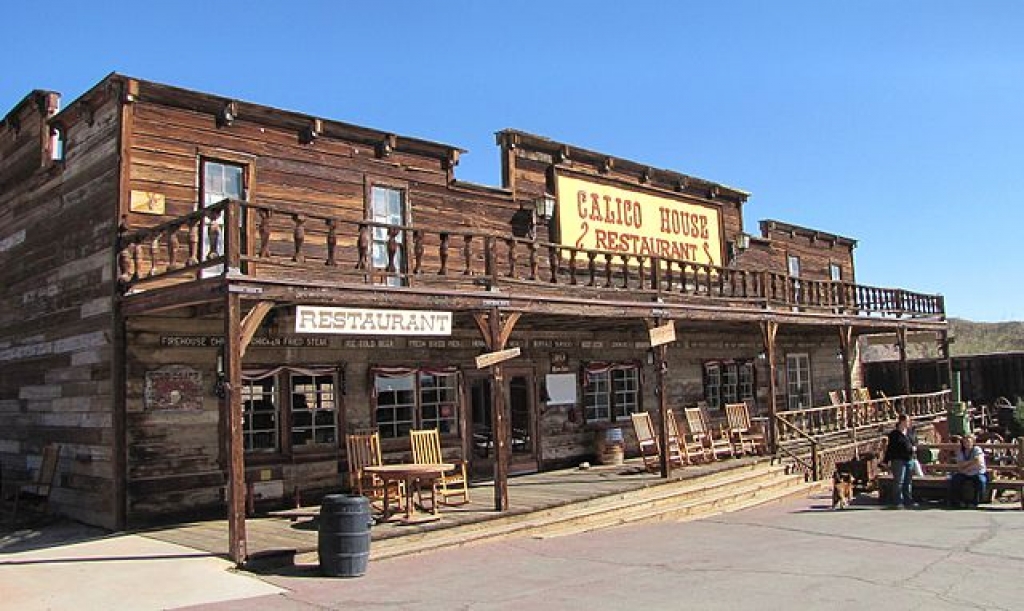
<point x="901" y="342"/>
<point x="947" y="361"/>
<point x="496" y="333"/>
<point x="232" y="414"/>
<point x="769" y="330"/>
<point x="845" y="343"/>
<point x="231" y="404"/>
<point x="662" y="365"/>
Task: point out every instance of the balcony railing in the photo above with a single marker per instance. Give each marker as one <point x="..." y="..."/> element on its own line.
<point x="282" y="243"/>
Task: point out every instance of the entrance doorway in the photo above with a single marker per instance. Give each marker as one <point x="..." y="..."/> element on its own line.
<point x="520" y="391"/>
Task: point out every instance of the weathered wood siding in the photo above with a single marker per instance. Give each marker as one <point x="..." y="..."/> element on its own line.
<point x="56" y="269"/>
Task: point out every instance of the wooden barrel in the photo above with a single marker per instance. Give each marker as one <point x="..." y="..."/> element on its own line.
<point x="611" y="448"/>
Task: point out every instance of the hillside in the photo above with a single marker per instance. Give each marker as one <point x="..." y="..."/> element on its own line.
<point x="985" y="337"/>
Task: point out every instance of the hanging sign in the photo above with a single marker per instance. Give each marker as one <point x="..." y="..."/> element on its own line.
<point x="493" y="358"/>
<point x="366" y="321"/>
<point x="664" y="334"/>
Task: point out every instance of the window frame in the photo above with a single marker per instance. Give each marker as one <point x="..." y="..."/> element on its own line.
<point x="808" y="393"/>
<point x="418" y="405"/>
<point x="600" y="381"/>
<point x="717" y="392"/>
<point x="227" y="158"/>
<point x="334" y="409"/>
<point x="401" y="274"/>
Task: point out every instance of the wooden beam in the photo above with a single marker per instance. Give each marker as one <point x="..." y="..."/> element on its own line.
<point x="480" y="318"/>
<point x="232" y="416"/>
<point x="901" y="343"/>
<point x="506" y="329"/>
<point x="498" y="418"/>
<point x="769" y="331"/>
<point x="845" y="343"/>
<point x="251" y="323"/>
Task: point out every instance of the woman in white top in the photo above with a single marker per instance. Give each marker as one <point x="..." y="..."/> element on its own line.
<point x="970" y="467"/>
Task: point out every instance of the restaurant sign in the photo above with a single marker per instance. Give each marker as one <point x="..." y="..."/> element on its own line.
<point x="601" y="217"/>
<point x="366" y="321"/>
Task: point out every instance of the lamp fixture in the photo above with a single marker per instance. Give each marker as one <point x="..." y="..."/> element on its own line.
<point x="227" y="115"/>
<point x="742" y="241"/>
<point x="545" y="206"/>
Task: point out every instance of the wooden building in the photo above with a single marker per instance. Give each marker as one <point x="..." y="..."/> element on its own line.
<point x="201" y="296"/>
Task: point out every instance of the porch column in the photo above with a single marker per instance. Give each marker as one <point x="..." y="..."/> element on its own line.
<point x="845" y="342"/>
<point x="662" y="364"/>
<point x="496" y="333"/>
<point x="231" y="404"/>
<point x="769" y="329"/>
<point x="232" y="415"/>
<point x="901" y="343"/>
<point x="947" y="361"/>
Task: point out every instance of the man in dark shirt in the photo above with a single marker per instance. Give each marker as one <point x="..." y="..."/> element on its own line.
<point x="898" y="453"/>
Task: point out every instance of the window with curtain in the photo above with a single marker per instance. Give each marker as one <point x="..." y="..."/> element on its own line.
<point x="387" y="206"/>
<point x="259" y="414"/>
<point x="611" y="391"/>
<point x="416" y="398"/>
<point x="314" y="409"/>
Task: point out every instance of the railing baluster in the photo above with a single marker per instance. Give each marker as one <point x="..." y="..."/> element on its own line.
<point x="392" y="247"/>
<point x="332" y="243"/>
<point x="417" y="252"/>
<point x="172" y="247"/>
<point x="572" y="266"/>
<point x="625" y="270"/>
<point x="592" y="267"/>
<point x="264" y="231"/>
<point x="442" y="253"/>
<point x="554" y="253"/>
<point x="510" y="243"/>
<point x="608" y="270"/>
<point x="467" y="254"/>
<point x="534" y="264"/>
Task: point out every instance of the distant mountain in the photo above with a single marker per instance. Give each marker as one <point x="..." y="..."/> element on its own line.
<point x="985" y="337"/>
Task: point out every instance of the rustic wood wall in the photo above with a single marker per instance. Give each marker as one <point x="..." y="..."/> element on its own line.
<point x="57" y="230"/>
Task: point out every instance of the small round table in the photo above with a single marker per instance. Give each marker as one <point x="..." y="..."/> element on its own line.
<point x="410" y="473"/>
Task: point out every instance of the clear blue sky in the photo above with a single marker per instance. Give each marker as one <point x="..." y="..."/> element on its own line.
<point x="895" y="123"/>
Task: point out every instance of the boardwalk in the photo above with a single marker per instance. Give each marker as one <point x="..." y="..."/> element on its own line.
<point x="528" y="494"/>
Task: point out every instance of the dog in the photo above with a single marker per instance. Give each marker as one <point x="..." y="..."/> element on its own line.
<point x="842" y="490"/>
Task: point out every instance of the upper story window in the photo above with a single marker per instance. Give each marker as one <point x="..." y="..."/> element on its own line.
<point x="388" y="206"/>
<point x="218" y="181"/>
<point x="835" y="272"/>
<point x="611" y="391"/>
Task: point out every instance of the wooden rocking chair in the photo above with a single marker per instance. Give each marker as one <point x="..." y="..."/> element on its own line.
<point x="426" y="449"/>
<point x="693" y="450"/>
<point x="717" y="442"/>
<point x="39" y="487"/>
<point x="650" y="448"/>
<point x="364" y="451"/>
<point x="744" y="438"/>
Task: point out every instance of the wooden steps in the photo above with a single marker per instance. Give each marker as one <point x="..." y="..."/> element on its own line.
<point x="723" y="491"/>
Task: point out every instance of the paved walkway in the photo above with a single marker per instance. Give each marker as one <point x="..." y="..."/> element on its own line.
<point x="786" y="555"/>
<point x="797" y="554"/>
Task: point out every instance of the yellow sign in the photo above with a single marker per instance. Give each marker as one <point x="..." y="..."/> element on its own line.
<point x="147" y="202"/>
<point x="599" y="217"/>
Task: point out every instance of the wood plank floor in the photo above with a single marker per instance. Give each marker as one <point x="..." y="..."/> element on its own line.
<point x="527" y="493"/>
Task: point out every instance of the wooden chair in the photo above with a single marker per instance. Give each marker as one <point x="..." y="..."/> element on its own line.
<point x="693" y="450"/>
<point x="650" y="446"/>
<point x="363" y="450"/>
<point x="38" y="488"/>
<point x="716" y="441"/>
<point x="426" y="449"/>
<point x="744" y="439"/>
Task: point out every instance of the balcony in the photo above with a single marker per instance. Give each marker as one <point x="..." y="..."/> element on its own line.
<point x="294" y="247"/>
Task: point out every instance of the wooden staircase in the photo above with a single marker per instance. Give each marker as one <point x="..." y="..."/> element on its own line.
<point x="720" y="492"/>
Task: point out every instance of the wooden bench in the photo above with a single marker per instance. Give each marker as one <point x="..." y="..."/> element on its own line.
<point x="931" y="487"/>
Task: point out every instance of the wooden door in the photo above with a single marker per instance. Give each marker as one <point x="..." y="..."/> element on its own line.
<point x="520" y="392"/>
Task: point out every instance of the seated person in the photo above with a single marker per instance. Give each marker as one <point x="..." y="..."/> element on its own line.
<point x="970" y="467"/>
